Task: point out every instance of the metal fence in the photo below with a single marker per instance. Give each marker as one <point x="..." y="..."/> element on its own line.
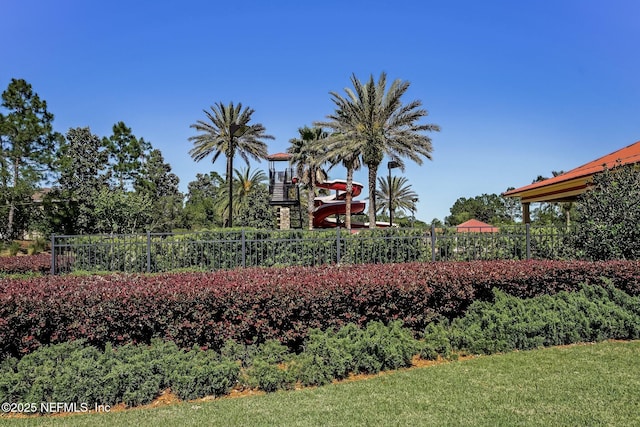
<point x="221" y="249"/>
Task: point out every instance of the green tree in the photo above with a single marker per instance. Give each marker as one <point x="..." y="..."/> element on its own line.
<point x="126" y="154"/>
<point x="395" y="194"/>
<point x="160" y="185"/>
<point x="307" y="155"/>
<point x="227" y="132"/>
<point x="245" y="183"/>
<point x="489" y="208"/>
<point x="201" y="207"/>
<point x="373" y="122"/>
<point x="255" y="205"/>
<point x="27" y="144"/>
<point x="122" y="212"/>
<point x="513" y="208"/>
<point x="608" y="225"/>
<point x="81" y="165"/>
<point x="557" y="213"/>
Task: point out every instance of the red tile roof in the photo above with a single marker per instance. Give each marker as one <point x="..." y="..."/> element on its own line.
<point x="279" y="156"/>
<point x="626" y="155"/>
<point x="475" y="226"/>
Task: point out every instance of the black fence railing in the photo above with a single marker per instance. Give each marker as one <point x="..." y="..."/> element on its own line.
<point x="227" y="249"/>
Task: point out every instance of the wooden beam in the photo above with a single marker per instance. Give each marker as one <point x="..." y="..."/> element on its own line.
<point x="526" y="216"/>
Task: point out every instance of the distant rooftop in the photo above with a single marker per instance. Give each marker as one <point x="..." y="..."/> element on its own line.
<point x="476" y="226"/>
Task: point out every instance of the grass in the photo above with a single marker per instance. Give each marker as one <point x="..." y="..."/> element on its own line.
<point x="596" y="384"/>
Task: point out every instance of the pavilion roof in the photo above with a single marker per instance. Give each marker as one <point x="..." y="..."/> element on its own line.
<point x="569" y="185"/>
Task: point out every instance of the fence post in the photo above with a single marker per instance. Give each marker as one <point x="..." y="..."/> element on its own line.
<point x="338" y="245"/>
<point x="148" y="251"/>
<point x="528" y="239"/>
<point x="53" y="254"/>
<point x="244" y="250"/>
<point x="433" y="242"/>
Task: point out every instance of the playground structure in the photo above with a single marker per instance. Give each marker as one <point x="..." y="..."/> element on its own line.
<point x="284" y="192"/>
<point x="329" y="210"/>
<point x="327" y="207"/>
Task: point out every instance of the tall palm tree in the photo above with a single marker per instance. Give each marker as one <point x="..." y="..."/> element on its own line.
<point x="395" y="194"/>
<point x="228" y="132"/>
<point x="374" y="122"/>
<point x="339" y="152"/>
<point x="306" y="153"/>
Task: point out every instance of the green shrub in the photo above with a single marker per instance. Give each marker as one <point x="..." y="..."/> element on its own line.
<point x="267" y="369"/>
<point x="312" y="370"/>
<point x="135" y="375"/>
<point x="243" y="354"/>
<point x="436" y="341"/>
<point x="608" y="225"/>
<point x="37" y="246"/>
<point x="201" y="373"/>
<point x="384" y="347"/>
<point x="13" y="248"/>
<point x="594" y="313"/>
<point x="269" y="376"/>
<point x="334" y="351"/>
<point x="328" y="355"/>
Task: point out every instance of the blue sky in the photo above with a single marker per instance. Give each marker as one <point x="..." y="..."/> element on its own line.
<point x="518" y="88"/>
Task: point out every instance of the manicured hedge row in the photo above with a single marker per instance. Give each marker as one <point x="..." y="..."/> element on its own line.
<point x="254" y="305"/>
<point x="589" y="314"/>
<point x="40" y="263"/>
<point x="136" y="374"/>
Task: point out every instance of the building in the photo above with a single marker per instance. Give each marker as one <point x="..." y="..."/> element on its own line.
<point x="476" y="226"/>
<point x="568" y="186"/>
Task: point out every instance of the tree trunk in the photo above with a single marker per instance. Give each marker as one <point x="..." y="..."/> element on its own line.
<point x="373" y="171"/>
<point x="349" y="198"/>
<point x="311" y="194"/>
<point x="12" y="200"/>
<point x="230" y="184"/>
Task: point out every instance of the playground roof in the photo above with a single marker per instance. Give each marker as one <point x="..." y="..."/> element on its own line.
<point x="569" y="185"/>
<point x="279" y="156"/>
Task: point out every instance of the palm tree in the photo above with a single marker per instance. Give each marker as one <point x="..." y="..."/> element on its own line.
<point x="228" y="132"/>
<point x="244" y="184"/>
<point x="395" y="194"/>
<point x="306" y="153"/>
<point x="339" y="152"/>
<point x="374" y="122"/>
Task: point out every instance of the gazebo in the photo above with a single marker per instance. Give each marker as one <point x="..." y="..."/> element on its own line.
<point x="568" y="186"/>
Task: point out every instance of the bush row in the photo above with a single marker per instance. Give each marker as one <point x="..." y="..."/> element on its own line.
<point x="254" y="305"/>
<point x="134" y="374"/>
<point x="40" y="263"/>
<point x="592" y="313"/>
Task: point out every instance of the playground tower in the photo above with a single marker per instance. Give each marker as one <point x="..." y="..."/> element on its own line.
<point x="284" y="191"/>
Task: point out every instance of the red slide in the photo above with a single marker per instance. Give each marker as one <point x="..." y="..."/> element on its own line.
<point x="335" y="204"/>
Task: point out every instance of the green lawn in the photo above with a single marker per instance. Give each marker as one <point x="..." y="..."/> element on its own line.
<point x="585" y="385"/>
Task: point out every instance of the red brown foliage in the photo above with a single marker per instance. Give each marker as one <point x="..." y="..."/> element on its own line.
<point x="253" y="305"/>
